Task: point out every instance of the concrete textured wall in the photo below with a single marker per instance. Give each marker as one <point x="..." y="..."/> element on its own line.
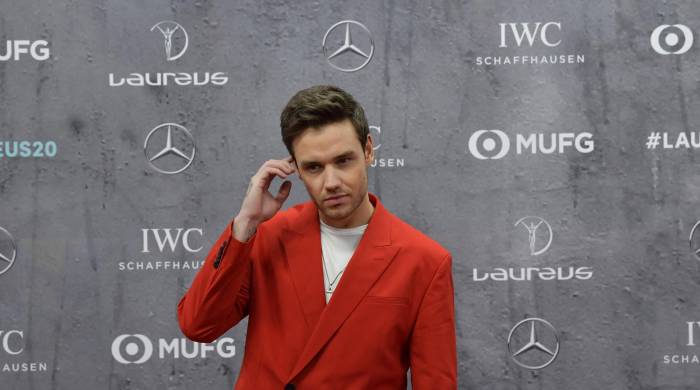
<point x="622" y="211"/>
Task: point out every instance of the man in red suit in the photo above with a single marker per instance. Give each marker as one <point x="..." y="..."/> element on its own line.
<point x="340" y="293"/>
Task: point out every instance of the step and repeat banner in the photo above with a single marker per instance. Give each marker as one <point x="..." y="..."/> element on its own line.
<point x="552" y="147"/>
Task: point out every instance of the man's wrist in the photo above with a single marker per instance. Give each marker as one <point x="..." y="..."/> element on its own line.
<point x="243" y="228"/>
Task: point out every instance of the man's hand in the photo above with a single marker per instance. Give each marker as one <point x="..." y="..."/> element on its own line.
<point x="259" y="204"/>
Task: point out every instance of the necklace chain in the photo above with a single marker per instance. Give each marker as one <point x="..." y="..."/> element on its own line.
<point x="330" y="288"/>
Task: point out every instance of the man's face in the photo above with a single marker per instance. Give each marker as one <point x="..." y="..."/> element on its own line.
<point x="331" y="162"/>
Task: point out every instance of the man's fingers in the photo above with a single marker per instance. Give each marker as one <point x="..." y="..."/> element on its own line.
<point x="284" y="191"/>
<point x="265" y="176"/>
<point x="281" y="164"/>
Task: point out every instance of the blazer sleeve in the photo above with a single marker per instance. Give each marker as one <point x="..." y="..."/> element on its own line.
<point x="207" y="309"/>
<point x="433" y="349"/>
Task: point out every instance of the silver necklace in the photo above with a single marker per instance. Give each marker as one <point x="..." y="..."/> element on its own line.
<point x="330" y="288"/>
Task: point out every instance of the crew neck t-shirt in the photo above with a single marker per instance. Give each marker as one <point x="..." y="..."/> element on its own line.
<point x="337" y="246"/>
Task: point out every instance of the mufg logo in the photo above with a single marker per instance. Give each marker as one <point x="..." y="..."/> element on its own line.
<point x="496" y="144"/>
<point x="16" y="49"/>
<point x="671" y="39"/>
<point x="138" y="349"/>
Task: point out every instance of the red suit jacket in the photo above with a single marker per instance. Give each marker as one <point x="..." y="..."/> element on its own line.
<point x="393" y="306"/>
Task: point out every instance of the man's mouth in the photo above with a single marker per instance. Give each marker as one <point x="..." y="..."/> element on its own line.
<point x="335" y="199"/>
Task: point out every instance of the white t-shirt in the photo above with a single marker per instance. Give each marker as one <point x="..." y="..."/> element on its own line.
<point x="337" y="246"/>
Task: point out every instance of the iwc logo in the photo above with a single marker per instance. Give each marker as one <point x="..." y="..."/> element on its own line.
<point x="11" y="350"/>
<point x="167" y="249"/>
<point x="380" y="157"/>
<point x="530" y="43"/>
<point x="686" y="356"/>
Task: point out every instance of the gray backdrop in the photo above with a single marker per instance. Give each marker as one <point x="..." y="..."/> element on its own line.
<point x="620" y="215"/>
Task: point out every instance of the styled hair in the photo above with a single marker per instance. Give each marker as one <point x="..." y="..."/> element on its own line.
<point x="317" y="106"/>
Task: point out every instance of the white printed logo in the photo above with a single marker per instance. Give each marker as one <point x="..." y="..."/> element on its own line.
<point x="138" y="349"/>
<point x="671" y="39"/>
<point x="538" y="32"/>
<point x="495" y="144"/>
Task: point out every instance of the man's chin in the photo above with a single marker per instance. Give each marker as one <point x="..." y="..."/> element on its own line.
<point x="339" y="212"/>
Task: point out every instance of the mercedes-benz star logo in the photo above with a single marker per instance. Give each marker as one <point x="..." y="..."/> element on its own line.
<point x="694" y="247"/>
<point x="171" y="157"/>
<point x="532" y="223"/>
<point x="348" y="45"/>
<point x="168" y="28"/>
<point x="8" y="250"/>
<point x="539" y="350"/>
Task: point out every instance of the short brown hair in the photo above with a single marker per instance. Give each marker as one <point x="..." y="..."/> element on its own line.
<point x="317" y="106"/>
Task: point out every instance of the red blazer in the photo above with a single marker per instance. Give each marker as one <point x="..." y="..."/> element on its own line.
<point x="393" y="306"/>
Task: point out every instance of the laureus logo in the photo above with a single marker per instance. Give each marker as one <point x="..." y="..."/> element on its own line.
<point x="533" y="225"/>
<point x="175" y="39"/>
<point x="536" y="234"/>
<point x="175" y="42"/>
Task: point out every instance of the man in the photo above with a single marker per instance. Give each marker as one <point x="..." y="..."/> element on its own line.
<point x="340" y="293"/>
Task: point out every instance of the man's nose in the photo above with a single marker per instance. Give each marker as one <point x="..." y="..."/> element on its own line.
<point x="331" y="180"/>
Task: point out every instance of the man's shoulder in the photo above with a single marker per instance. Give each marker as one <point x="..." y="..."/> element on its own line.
<point x="408" y="237"/>
<point x="286" y="217"/>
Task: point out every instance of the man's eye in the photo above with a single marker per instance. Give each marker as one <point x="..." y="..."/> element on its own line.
<point x="345" y="160"/>
<point x="312" y="168"/>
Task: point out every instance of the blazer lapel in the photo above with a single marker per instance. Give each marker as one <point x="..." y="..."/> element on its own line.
<point x="302" y="244"/>
<point x="372" y="256"/>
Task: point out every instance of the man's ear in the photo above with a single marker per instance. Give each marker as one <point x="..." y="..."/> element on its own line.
<point x="296" y="165"/>
<point x="369" y="149"/>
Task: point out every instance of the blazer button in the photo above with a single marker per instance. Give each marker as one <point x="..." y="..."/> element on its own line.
<point x="220" y="254"/>
<point x="289" y="386"/>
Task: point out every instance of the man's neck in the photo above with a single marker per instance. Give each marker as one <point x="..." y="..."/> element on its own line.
<point x="361" y="216"/>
